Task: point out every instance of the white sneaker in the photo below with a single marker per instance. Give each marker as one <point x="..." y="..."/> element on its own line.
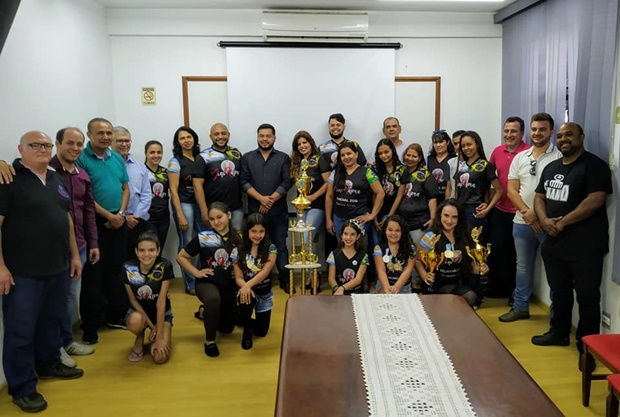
<point x="67" y="360"/>
<point x="78" y="349"/>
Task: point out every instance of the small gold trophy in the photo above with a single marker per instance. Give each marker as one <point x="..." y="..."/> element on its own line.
<point x="430" y="259"/>
<point x="480" y="253"/>
<point x="303" y="183"/>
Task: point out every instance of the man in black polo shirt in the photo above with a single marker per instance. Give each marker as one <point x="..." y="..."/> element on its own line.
<point x="38" y="255"/>
<point x="266" y="177"/>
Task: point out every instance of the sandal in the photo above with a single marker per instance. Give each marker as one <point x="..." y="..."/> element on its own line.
<point x="135" y="356"/>
<point x="200" y="313"/>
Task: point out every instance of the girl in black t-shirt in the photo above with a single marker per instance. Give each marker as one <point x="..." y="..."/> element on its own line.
<point x="159" y="213"/>
<point x="147" y="279"/>
<point x="394" y="258"/>
<point x="457" y="274"/>
<point x="253" y="261"/>
<point x="215" y="284"/>
<point x="473" y="185"/>
<point x="348" y="263"/>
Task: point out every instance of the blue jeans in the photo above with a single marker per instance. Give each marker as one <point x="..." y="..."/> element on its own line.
<point x="526" y="245"/>
<point x="194" y="221"/>
<point x="33" y="312"/>
<point x="473" y="221"/>
<point x="237" y="219"/>
<point x="316" y="218"/>
<point x="73" y="301"/>
<point x="277" y="227"/>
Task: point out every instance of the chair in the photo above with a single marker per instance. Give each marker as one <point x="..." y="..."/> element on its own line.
<point x="605" y="348"/>
<point x="614" y="393"/>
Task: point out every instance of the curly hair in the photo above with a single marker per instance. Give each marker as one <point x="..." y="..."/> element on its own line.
<point x="296" y="156"/>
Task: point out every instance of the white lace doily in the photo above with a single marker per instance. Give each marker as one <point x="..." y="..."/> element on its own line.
<point x="406" y="370"/>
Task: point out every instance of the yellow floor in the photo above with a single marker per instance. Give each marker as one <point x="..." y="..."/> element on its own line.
<point x="243" y="383"/>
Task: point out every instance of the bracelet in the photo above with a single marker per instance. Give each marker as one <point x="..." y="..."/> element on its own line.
<point x="334" y="288"/>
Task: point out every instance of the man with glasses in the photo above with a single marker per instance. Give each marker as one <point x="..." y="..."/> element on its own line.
<point x="38" y="255"/>
<point x="103" y="298"/>
<point x="502" y="261"/>
<point x="523" y="178"/>
<point x="140" y="194"/>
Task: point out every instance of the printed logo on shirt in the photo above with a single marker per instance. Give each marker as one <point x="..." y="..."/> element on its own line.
<point x="409" y="191"/>
<point x="556" y="190"/>
<point x="388" y="188"/>
<point x="479" y="166"/>
<point x="348" y="274"/>
<point x="63" y="191"/>
<point x="464" y="181"/>
<point x="145" y="293"/>
<point x="348" y="188"/>
<point x="158" y="190"/>
<point x="438" y="174"/>
<point x="209" y="239"/>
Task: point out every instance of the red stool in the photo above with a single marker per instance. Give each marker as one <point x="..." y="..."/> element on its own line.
<point x="605" y="348"/>
<point x="614" y="393"/>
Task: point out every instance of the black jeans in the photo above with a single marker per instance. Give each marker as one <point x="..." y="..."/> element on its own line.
<point x="220" y="307"/>
<point x="503" y="258"/>
<point x="103" y="297"/>
<point x="584" y="276"/>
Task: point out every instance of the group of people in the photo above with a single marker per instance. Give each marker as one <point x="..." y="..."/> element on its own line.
<point x="106" y="214"/>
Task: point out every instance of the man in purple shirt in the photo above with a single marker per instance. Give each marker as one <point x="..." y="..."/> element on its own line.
<point x="69" y="145"/>
<point x="503" y="259"/>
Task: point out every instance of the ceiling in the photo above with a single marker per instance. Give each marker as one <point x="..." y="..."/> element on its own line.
<point x="370" y="5"/>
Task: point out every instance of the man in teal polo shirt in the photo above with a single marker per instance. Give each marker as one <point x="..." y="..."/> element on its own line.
<point x="103" y="298"/>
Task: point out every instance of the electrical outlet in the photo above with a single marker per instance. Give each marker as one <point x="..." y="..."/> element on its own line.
<point x="606" y="319"/>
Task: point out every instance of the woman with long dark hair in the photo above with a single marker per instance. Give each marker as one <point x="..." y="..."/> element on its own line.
<point x="473" y="185"/>
<point x="349" y="190"/>
<point x="457" y="274"/>
<point x="185" y="211"/>
<point x="442" y="163"/>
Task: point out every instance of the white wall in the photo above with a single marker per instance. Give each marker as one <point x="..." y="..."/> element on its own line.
<point x="56" y="71"/>
<point x="157" y="47"/>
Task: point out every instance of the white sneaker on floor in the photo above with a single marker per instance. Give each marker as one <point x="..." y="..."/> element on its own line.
<point x="67" y="360"/>
<point x="78" y="349"/>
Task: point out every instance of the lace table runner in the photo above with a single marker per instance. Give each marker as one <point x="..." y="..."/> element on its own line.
<point x="406" y="370"/>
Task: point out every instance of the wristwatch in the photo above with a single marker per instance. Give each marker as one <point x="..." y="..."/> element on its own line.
<point x="122" y="213"/>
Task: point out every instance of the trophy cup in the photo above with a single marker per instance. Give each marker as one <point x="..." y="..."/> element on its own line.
<point x="305" y="258"/>
<point x="480" y="253"/>
<point x="430" y="259"/>
<point x="303" y="185"/>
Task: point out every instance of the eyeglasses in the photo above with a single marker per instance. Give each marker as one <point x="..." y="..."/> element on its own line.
<point x="123" y="141"/>
<point x="532" y="167"/>
<point x="36" y="146"/>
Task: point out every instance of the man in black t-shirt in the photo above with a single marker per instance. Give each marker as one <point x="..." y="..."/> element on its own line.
<point x="38" y="254"/>
<point x="570" y="204"/>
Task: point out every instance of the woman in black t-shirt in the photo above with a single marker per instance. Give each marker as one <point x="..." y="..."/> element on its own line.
<point x="442" y="163"/>
<point x="457" y="274"/>
<point x="185" y="211"/>
<point x="473" y="183"/>
<point x="159" y="213"/>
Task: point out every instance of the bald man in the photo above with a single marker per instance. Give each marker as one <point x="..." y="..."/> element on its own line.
<point x="35" y="271"/>
<point x="570" y="205"/>
<point x="216" y="176"/>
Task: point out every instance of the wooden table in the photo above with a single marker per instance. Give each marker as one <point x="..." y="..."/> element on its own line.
<point x="321" y="374"/>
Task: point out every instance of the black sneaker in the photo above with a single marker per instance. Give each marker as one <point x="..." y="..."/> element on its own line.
<point x="550" y="339"/>
<point x="246" y="340"/>
<point x="90" y="337"/>
<point x="211" y="350"/>
<point x="31" y="403"/>
<point x="60" y="371"/>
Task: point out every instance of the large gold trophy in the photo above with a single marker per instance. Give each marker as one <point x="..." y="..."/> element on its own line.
<point x="479" y="253"/>
<point x="305" y="259"/>
<point x="430" y="259"/>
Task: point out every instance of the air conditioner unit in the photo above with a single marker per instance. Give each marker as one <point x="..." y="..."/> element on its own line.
<point x="281" y="25"/>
